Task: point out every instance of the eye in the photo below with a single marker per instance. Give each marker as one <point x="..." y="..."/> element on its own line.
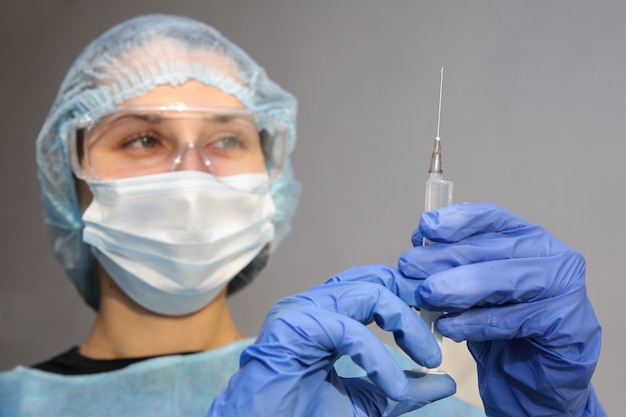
<point x="228" y="142"/>
<point x="141" y="141"/>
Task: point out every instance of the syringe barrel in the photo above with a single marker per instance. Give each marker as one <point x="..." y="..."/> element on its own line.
<point x="438" y="192"/>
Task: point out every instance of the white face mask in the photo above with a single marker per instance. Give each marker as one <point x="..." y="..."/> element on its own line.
<point x="173" y="241"/>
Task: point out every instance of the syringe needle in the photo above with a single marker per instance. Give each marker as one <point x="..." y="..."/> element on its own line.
<point x="435" y="160"/>
<point x="440" y="96"/>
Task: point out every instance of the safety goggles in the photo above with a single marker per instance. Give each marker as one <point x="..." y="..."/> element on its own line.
<point x="135" y="141"/>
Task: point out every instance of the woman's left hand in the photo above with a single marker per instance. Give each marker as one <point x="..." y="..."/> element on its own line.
<point x="517" y="296"/>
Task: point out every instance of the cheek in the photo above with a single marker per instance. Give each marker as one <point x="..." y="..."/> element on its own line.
<point x="259" y="164"/>
<point x="252" y="164"/>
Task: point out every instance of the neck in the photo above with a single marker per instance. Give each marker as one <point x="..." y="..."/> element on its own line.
<point x="123" y="329"/>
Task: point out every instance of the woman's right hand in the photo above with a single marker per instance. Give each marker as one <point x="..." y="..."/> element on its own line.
<point x="289" y="370"/>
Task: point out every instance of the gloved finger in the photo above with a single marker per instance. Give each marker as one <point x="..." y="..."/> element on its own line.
<point x="423" y="389"/>
<point x="501" y="282"/>
<point x="553" y="322"/>
<point x="302" y="341"/>
<point x="367" y="302"/>
<point x="388" y="277"/>
<point x="526" y="242"/>
<point x="456" y="222"/>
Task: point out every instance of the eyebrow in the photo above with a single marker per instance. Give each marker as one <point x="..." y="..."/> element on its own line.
<point x="157" y="118"/>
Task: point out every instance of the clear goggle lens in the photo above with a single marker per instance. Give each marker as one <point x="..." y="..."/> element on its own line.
<point x="137" y="141"/>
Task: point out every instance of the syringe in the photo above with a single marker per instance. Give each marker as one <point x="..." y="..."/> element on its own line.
<point x="438" y="194"/>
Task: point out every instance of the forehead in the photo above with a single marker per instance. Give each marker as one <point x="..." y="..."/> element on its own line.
<point x="191" y="93"/>
<point x="213" y="68"/>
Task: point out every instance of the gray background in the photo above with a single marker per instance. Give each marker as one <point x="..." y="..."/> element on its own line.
<point x="533" y="119"/>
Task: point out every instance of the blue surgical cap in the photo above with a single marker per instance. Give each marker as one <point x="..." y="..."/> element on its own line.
<point x="128" y="61"/>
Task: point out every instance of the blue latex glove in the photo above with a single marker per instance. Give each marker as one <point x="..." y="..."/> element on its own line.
<point x="517" y="295"/>
<point x="289" y="370"/>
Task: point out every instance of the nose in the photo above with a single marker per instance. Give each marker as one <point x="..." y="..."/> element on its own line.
<point x="192" y="158"/>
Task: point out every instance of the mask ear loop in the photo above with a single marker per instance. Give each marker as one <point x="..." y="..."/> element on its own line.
<point x="195" y="145"/>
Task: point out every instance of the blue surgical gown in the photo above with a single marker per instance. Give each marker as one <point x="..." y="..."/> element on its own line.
<point x="168" y="386"/>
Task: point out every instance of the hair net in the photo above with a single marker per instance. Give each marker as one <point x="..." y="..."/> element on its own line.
<point x="126" y="62"/>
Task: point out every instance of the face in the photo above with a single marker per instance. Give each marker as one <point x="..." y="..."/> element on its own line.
<point x="203" y="129"/>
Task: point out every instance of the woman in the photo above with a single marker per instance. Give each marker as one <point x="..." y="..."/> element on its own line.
<point x="166" y="182"/>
